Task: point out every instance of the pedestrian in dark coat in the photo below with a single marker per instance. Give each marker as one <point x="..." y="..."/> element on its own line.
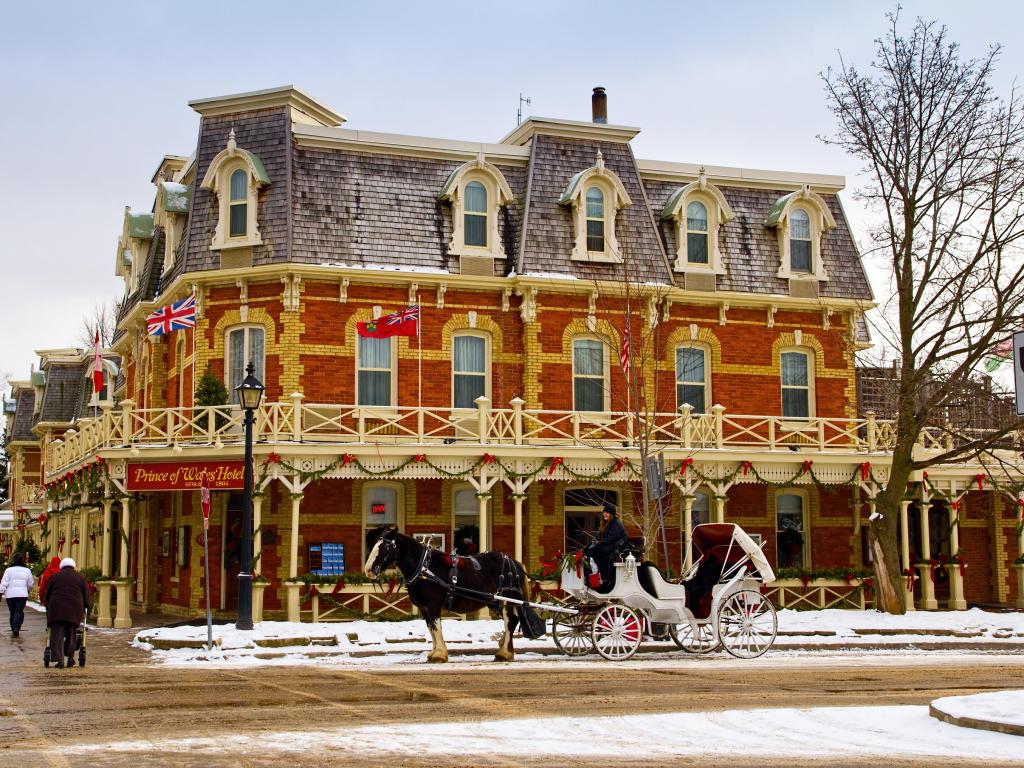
<point x="612" y="537"/>
<point x="67" y="599"/>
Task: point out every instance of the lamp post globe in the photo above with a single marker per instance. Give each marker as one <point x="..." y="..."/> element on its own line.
<point x="249" y="392"/>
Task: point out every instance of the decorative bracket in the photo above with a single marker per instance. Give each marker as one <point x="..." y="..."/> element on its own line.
<point x="197" y="291"/>
<point x="528" y="309"/>
<point x="343" y="291"/>
<point x="291" y="295"/>
<point x="666" y="306"/>
<point x="592" y="303"/>
<point x="772" y="309"/>
<point x="652" y="311"/>
<point x="826" y="314"/>
<point x="723" y="308"/>
<point x="243" y="299"/>
<point x="441" y="289"/>
<point x="506" y="299"/>
<point x="414" y="288"/>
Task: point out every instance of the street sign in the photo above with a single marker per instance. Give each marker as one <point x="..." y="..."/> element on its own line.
<point x="1018" y="370"/>
<point x="656" y="476"/>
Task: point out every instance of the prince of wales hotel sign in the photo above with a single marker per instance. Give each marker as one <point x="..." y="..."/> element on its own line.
<point x="185" y="476"/>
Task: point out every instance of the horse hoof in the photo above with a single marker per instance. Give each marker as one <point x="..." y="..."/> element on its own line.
<point x="499" y="657"/>
<point x="437" y="659"/>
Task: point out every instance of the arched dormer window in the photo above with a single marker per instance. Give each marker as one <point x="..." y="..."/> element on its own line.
<point x="800" y="219"/>
<point x="699" y="209"/>
<point x="477" y="191"/>
<point x="596" y="195"/>
<point x="235" y="177"/>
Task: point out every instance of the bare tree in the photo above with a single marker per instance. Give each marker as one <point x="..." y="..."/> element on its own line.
<point x="944" y="158"/>
<point x="103" y="318"/>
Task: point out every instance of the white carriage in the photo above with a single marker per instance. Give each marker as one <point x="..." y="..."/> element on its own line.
<point x="718" y="603"/>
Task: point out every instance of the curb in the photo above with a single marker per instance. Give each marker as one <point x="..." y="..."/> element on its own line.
<point x="1013" y="729"/>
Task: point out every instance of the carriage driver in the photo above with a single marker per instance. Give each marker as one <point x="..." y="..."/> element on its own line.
<point x="612" y="537"/>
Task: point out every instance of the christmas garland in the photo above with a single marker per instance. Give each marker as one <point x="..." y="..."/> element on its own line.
<point x="86" y="479"/>
<point x="747" y="468"/>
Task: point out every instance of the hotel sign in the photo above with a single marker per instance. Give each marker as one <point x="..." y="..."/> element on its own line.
<point x="185" y="475"/>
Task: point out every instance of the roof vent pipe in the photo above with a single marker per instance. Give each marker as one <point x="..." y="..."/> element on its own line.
<point x="599" y="105"/>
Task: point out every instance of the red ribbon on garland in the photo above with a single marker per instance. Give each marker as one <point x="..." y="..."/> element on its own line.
<point x="955" y="505"/>
<point x="865" y="471"/>
<point x="806" y="579"/>
<point x="981" y="481"/>
<point x="686" y="463"/>
<point x="555" y="463"/>
<point x="490" y="458"/>
<point x="419" y="457"/>
<point x="807" y="466"/>
<point x="619" y="464"/>
<point x="273" y="458"/>
<point x="911" y="575"/>
<point x="933" y="564"/>
<point x="746" y="468"/>
<point x="346" y="459"/>
<point x="578" y="557"/>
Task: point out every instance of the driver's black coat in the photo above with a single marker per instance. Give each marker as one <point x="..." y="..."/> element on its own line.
<point x="613" y="538"/>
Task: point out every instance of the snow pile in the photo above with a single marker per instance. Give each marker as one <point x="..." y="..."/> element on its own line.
<point x="1004" y="707"/>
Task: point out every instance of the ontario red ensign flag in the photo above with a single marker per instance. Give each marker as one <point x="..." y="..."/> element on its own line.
<point x="404" y="323"/>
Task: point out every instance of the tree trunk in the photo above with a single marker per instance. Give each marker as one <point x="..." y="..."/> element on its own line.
<point x="890" y="596"/>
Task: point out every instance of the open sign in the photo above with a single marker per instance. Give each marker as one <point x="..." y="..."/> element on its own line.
<point x="378" y="509"/>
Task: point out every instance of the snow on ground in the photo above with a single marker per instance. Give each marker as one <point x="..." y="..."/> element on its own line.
<point x="834" y="732"/>
<point x="1005" y="707"/>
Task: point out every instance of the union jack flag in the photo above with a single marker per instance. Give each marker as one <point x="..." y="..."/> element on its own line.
<point x="406" y="315"/>
<point x="177" y="317"/>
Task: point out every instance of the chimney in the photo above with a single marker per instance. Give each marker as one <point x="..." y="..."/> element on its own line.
<point x="599" y="105"/>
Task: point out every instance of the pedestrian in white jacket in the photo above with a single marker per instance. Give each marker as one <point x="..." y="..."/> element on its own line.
<point x="15" y="585"/>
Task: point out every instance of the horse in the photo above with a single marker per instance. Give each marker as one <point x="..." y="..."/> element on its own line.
<point x="436" y="581"/>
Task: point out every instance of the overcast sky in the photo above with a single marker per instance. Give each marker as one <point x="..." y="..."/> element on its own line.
<point x="94" y="94"/>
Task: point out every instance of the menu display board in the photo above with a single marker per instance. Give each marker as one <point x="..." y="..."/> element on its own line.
<point x="327" y="558"/>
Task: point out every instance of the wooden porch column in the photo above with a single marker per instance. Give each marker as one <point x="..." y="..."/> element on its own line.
<point x="123" y="619"/>
<point x="83" y="537"/>
<point x="957" y="602"/>
<point x="517" y="499"/>
<point x="719" y="509"/>
<point x="928" y="601"/>
<point x="293" y="561"/>
<point x="107" y="520"/>
<point x="687" y="529"/>
<point x="905" y="553"/>
<point x="485" y="538"/>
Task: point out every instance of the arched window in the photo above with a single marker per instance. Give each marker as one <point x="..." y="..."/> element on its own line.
<point x="245" y="344"/>
<point x="799" y="241"/>
<point x="789" y="531"/>
<point x="697" y="233"/>
<point x="797" y="385"/>
<point x="692" y="378"/>
<point x="589" y="375"/>
<point x="374" y="385"/>
<point x="469" y="369"/>
<point x="476" y="214"/>
<point x="466" y="521"/>
<point x="381" y="506"/>
<point x="595" y="220"/>
<point x="238" y="215"/>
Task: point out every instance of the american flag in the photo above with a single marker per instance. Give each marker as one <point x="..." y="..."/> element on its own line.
<point x="178" y="316"/>
<point x="409" y="314"/>
<point x="624" y="353"/>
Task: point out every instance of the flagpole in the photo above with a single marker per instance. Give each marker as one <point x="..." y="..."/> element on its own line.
<point x="419" y="344"/>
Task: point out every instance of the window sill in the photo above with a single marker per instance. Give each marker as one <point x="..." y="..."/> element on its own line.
<point x="684" y="267"/>
<point x="597" y="258"/>
<point x="242" y="242"/>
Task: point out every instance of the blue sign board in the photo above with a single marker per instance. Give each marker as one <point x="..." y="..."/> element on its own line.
<point x="331" y="556"/>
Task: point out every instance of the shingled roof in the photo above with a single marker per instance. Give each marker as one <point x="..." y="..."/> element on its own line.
<point x="25" y="403"/>
<point x="62" y="395"/>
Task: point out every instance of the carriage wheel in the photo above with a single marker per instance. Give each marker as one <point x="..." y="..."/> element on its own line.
<point x="747" y="624"/>
<point x="703" y="641"/>
<point x="572" y="634"/>
<point x="617" y="632"/>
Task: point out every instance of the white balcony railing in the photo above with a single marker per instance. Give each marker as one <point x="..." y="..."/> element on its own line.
<point x="298" y="422"/>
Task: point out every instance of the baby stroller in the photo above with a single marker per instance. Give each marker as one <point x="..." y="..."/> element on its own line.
<point x="74" y="643"/>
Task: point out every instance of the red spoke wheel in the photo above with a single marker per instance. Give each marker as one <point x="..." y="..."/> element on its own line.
<point x="617" y="632"/>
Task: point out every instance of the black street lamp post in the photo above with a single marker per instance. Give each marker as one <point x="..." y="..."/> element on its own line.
<point x="250" y="391"/>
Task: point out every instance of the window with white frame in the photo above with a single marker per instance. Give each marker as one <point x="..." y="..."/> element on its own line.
<point x="692" y="378"/>
<point x="797" y="384"/>
<point x="238" y="204"/>
<point x="381" y="507"/>
<point x="697" y="233"/>
<point x="475" y="215"/>
<point x="790" y="529"/>
<point x="245" y="344"/>
<point x="466" y="521"/>
<point x="589" y="375"/>
<point x="799" y="241"/>
<point x="469" y="369"/>
<point x="595" y="220"/>
<point x="477" y="191"/>
<point x="374" y="367"/>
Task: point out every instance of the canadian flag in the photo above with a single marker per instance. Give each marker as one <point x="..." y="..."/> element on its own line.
<point x="97" y="365"/>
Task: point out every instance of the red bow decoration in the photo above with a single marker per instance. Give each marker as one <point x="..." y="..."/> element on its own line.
<point x="346" y="459"/>
<point x="619" y="464"/>
<point x="686" y="464"/>
<point x="911" y="575"/>
<point x="99" y="460"/>
<point x="848" y="578"/>
<point x="92" y="538"/>
<point x="42" y="518"/>
<point x="868" y="585"/>
<point x="273" y="458"/>
<point x="419" y="457"/>
<point x="74" y="541"/>
<point x="865" y="471"/>
<point x="746" y="467"/>
<point x="807" y="465"/>
<point x="60" y="544"/>
<point x="925" y="474"/>
<point x="933" y="564"/>
<point x="578" y="557"/>
<point x="955" y="505"/>
<point x="981" y="481"/>
<point x="806" y="579"/>
<point x="490" y="458"/>
<point x="963" y="569"/>
<point x="555" y="463"/>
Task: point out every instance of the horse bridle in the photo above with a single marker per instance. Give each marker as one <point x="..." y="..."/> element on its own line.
<point x="387" y="547"/>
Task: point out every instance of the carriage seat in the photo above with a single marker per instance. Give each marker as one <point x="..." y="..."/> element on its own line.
<point x="698" y="588"/>
<point x="655" y="585"/>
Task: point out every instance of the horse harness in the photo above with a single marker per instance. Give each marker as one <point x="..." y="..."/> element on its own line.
<point x="507" y="579"/>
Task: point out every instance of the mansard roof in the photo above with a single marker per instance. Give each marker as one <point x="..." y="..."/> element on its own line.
<point x="62" y="396"/>
<point x="25" y="403"/>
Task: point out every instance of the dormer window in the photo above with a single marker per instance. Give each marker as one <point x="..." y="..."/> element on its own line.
<point x="476" y="215"/>
<point x="477" y="192"/>
<point x="235" y="177"/>
<point x="697" y="233"/>
<point x="799" y="241"/>
<point x="596" y="195"/>
<point x="595" y="220"/>
<point x="699" y="210"/>
<point x="238" y="204"/>
<point x="801" y="220"/>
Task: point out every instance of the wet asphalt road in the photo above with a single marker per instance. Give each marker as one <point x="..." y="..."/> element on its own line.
<point x="48" y="717"/>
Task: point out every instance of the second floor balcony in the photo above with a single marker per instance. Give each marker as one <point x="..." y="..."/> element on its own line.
<point x="538" y="431"/>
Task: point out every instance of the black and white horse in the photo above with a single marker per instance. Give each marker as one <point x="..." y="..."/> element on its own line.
<point x="437" y="582"/>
